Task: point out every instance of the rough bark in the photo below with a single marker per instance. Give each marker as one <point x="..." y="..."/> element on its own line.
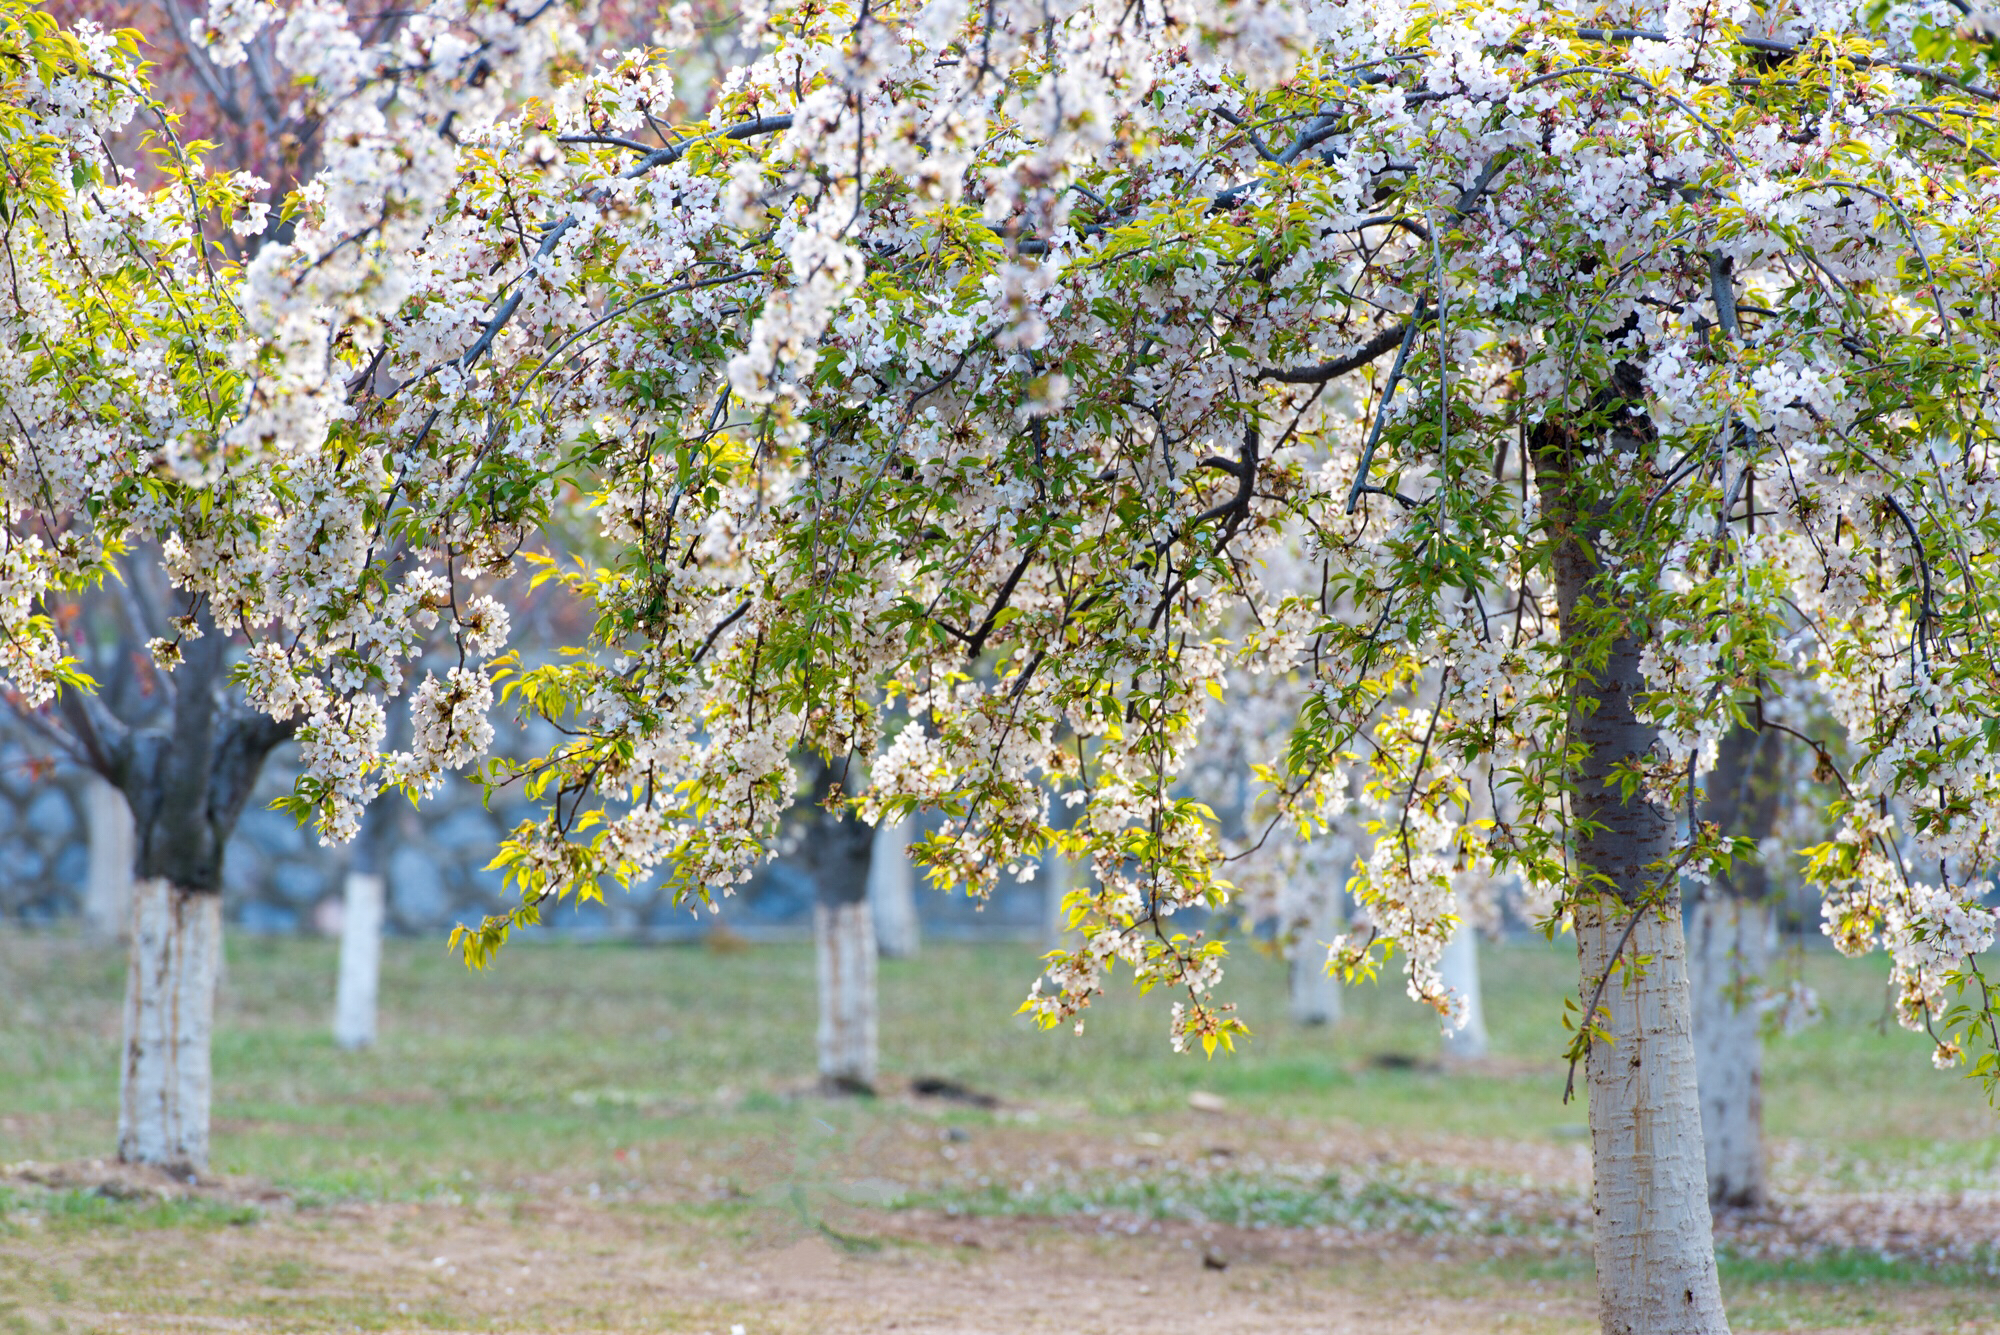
<point x="838" y="852"/>
<point x="164" y="1089"/>
<point x="107" y="896"/>
<point x="1315" y="993"/>
<point x="1654" y="1242"/>
<point x="186" y="774"/>
<point x="1460" y="970"/>
<point x="892" y="890"/>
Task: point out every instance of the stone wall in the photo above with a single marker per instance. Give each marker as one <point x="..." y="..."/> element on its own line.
<point x="44" y="839"/>
<point x="278" y="879"/>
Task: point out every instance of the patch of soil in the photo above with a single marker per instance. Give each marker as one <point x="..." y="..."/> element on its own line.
<point x="1934" y="1228"/>
<point x="747" y="1234"/>
<point x="566" y="1265"/>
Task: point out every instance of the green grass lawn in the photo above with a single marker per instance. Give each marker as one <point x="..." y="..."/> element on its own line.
<point x="683" y="1071"/>
<point x="575" y="1042"/>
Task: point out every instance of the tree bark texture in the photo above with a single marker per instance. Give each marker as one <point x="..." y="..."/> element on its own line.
<point x="360" y="960"/>
<point x="1460" y="970"/>
<point x="164" y="1089"/>
<point x="1729" y="948"/>
<point x="892" y="889"/>
<point x="1654" y="1241"/>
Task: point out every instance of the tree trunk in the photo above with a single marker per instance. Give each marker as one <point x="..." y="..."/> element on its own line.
<point x="360" y="960"/>
<point x="1654" y="1240"/>
<point x="892" y="889"/>
<point x="1729" y="941"/>
<point x="1315" y="993"/>
<point x="186" y="773"/>
<point x="107" y="895"/>
<point x="845" y="937"/>
<point x="1729" y="954"/>
<point x="839" y="850"/>
<point x="164" y="1090"/>
<point x="363" y="906"/>
<point x="1057" y="875"/>
<point x="1460" y="970"/>
<point x="1655" y="1244"/>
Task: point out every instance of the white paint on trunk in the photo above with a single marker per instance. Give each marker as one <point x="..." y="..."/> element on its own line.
<point x="1058" y="879"/>
<point x="1315" y="993"/>
<point x="892" y="889"/>
<point x="107" y="894"/>
<point x="163" y="1099"/>
<point x="1655" y="1245"/>
<point x="360" y="960"/>
<point x="845" y="937"/>
<point x="1729" y="951"/>
<point x="1459" y="967"/>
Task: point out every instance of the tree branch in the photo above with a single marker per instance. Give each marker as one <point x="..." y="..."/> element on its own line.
<point x="1383" y="340"/>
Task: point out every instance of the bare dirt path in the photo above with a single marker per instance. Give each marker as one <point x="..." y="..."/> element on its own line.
<point x="777" y="1239"/>
<point x="591" y="1267"/>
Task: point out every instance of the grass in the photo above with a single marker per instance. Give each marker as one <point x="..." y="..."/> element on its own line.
<point x="563" y="1047"/>
<point x="1856" y="1290"/>
<point x="1230" y="1199"/>
<point x="72" y="1211"/>
<point x="661" y="1087"/>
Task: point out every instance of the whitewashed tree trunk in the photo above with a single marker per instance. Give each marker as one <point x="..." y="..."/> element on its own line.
<point x="1729" y="946"/>
<point x="185" y="771"/>
<point x="360" y="960"/>
<point x="845" y="937"/>
<point x="1729" y="952"/>
<point x="164" y="1090"/>
<point x="107" y="895"/>
<point x="1315" y="993"/>
<point x="1654" y="1239"/>
<point x="1460" y="970"/>
<point x="1058" y="879"/>
<point x="892" y="890"/>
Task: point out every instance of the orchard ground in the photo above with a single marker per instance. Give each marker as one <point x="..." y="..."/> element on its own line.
<point x="625" y="1139"/>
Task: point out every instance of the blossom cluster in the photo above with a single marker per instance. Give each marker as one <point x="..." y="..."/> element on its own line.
<point x="1045" y="401"/>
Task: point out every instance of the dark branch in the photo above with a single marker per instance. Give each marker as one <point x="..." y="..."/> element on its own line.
<point x="1368" y="352"/>
<point x="975" y="643"/>
<point x="720" y="626"/>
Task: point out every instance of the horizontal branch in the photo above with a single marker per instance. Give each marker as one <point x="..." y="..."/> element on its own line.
<point x="672" y="153"/>
<point x="1769" y="47"/>
<point x="611" y="140"/>
<point x="1382" y="342"/>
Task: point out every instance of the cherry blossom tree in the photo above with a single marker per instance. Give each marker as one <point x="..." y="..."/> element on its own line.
<point x="239" y="97"/>
<point x="973" y="364"/>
